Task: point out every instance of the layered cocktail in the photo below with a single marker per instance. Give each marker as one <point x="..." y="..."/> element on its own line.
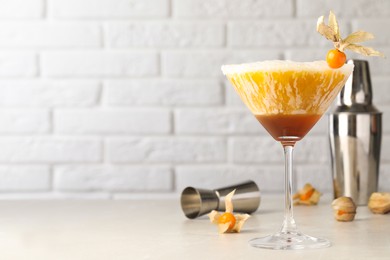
<point x="287" y="98"/>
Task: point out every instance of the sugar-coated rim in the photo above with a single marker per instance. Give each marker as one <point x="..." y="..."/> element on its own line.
<point x="282" y="65"/>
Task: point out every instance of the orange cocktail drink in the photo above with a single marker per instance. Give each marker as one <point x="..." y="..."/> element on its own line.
<point x="287" y="98"/>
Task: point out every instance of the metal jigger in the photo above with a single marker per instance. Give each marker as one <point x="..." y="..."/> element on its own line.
<point x="355" y="138"/>
<point x="197" y="202"/>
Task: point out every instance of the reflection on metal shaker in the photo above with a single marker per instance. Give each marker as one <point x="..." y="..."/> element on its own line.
<point x="355" y="132"/>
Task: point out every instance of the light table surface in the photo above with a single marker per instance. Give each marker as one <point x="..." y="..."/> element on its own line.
<point x="150" y="229"/>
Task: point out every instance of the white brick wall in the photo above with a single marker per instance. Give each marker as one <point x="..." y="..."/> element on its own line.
<point x="113" y="178"/>
<point x="163" y="92"/>
<point x="346" y="8"/>
<point x="24" y="178"/>
<point x="215" y="121"/>
<point x="42" y="93"/>
<point x="15" y="64"/>
<point x="164" y="34"/>
<point x="28" y="121"/>
<point x="21" y="9"/>
<point x="106" y="9"/>
<point x="49" y="149"/>
<point x="194" y="63"/>
<point x="276" y="33"/>
<point x="46" y="34"/>
<point x="99" y="63"/>
<point x="125" y="98"/>
<point x="166" y="149"/>
<point x="112" y="121"/>
<point x="232" y="9"/>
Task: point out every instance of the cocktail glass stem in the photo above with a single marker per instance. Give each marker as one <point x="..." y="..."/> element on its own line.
<point x="289" y="236"/>
<point x="289" y="222"/>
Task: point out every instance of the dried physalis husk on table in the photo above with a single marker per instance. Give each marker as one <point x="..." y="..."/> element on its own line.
<point x="236" y="221"/>
<point x="344" y="209"/>
<point x="379" y="202"/>
<point x="331" y="31"/>
<point x="308" y="195"/>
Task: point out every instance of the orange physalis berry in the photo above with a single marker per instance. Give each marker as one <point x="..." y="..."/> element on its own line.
<point x="341" y="212"/>
<point x="335" y="58"/>
<point x="227" y="217"/>
<point x="307" y="195"/>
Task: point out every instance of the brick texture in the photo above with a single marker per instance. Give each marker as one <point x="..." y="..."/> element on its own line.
<point x="113" y="178"/>
<point x="52" y="34"/>
<point x="24" y="121"/>
<point x="20" y="9"/>
<point x="346" y="8"/>
<point x="102" y="9"/>
<point x="25" y="178"/>
<point x="99" y="64"/>
<point x="112" y="121"/>
<point x="179" y="150"/>
<point x="162" y="92"/>
<point x="265" y="150"/>
<point x="49" y="93"/>
<point x="207" y="63"/>
<point x="169" y="34"/>
<point x="300" y="33"/>
<point x="49" y="150"/>
<point x="232" y="8"/>
<point x="125" y="99"/>
<point x="18" y="64"/>
<point x="216" y="121"/>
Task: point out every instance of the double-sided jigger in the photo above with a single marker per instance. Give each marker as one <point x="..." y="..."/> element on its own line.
<point x="197" y="202"/>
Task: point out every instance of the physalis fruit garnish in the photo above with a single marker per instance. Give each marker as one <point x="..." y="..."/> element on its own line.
<point x="344" y="209"/>
<point x="379" y="202"/>
<point x="228" y="222"/>
<point x="308" y="195"/>
<point x="227" y="217"/>
<point x="336" y="57"/>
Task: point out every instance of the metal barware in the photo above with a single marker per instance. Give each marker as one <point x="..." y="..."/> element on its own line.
<point x="197" y="202"/>
<point x="355" y="132"/>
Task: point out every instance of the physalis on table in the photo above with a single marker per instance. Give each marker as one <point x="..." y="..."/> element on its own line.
<point x="308" y="195"/>
<point x="228" y="222"/>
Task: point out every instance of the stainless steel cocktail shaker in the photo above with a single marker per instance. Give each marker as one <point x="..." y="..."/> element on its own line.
<point x="355" y="138"/>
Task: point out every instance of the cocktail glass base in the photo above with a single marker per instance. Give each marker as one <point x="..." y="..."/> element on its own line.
<point x="289" y="241"/>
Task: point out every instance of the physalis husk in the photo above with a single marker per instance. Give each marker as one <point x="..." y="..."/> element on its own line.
<point x="308" y="195"/>
<point x="228" y="222"/>
<point x="332" y="33"/>
<point x="344" y="209"/>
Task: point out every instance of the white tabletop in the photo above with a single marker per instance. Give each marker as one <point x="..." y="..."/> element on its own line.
<point x="115" y="230"/>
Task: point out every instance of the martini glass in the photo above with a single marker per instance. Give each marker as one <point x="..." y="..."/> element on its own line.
<point x="287" y="98"/>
